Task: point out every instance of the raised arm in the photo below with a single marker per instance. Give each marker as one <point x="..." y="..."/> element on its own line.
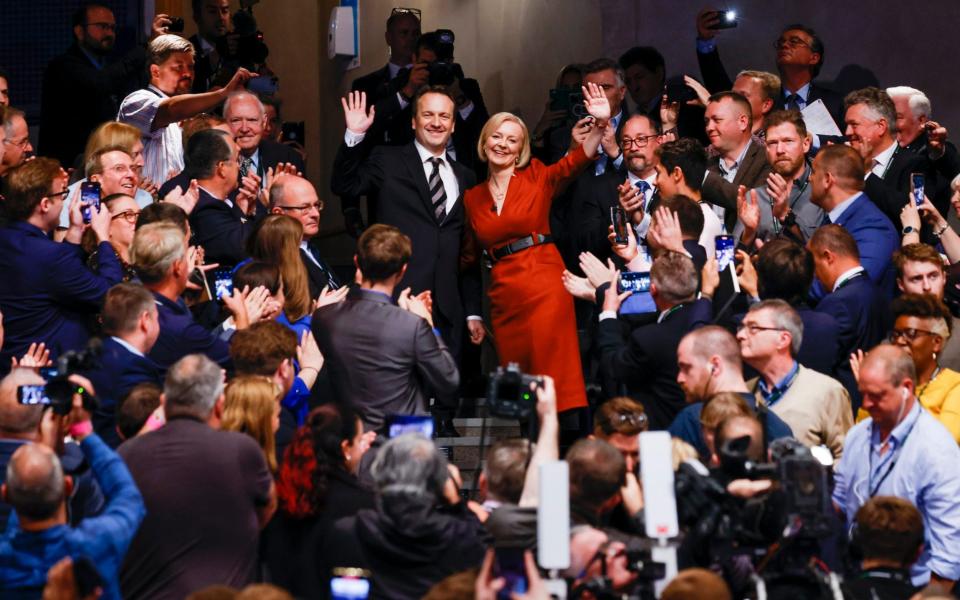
<point x="184" y="106"/>
<point x="548" y="442"/>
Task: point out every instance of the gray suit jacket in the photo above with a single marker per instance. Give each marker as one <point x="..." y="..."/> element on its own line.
<point x="752" y="173"/>
<point x="809" y="215"/>
<point x="382" y="359"/>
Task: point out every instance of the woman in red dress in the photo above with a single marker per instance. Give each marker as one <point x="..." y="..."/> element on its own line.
<point x="533" y="319"/>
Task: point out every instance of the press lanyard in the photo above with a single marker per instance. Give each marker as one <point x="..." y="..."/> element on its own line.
<point x="777" y="228"/>
<point x="893" y="460"/>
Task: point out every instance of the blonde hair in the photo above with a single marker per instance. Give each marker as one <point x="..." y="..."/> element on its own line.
<point x="251" y="403"/>
<point x="277" y="241"/>
<point x="111" y="133"/>
<point x="162" y="46"/>
<point x="493" y="123"/>
<point x="155" y="248"/>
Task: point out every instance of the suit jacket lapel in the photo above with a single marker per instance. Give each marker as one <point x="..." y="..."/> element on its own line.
<point x="412" y="159"/>
<point x="749" y="160"/>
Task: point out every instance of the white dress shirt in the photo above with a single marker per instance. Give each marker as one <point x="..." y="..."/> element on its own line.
<point x="881" y="162"/>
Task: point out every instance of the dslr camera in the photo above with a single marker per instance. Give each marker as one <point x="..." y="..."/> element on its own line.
<point x="251" y="50"/>
<point x="444" y="71"/>
<point x="509" y="394"/>
<point x="58" y="392"/>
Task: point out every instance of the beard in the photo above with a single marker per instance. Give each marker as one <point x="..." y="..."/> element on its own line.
<point x="787" y="168"/>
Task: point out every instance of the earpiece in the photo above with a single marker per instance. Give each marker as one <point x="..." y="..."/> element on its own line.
<point x="903" y="394"/>
<point x="711" y="368"/>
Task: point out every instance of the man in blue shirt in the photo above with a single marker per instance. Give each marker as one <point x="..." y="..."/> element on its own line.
<point x="38" y="535"/>
<point x="903" y="451"/>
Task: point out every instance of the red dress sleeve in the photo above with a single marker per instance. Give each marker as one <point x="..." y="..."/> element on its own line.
<point x="567" y="168"/>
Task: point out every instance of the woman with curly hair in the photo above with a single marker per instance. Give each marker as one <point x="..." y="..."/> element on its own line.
<point x="317" y="484"/>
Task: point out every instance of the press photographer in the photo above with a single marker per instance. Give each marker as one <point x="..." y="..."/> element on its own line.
<point x="221" y="50"/>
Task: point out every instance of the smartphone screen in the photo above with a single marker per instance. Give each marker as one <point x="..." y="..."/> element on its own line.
<point x="89" y="197"/>
<point x="725" y="251"/>
<point x="917" y="187"/>
<point x="634" y="282"/>
<point x="223" y="283"/>
<point x="398" y="425"/>
<point x="510" y="566"/>
<point x="34" y="395"/>
<point x="349" y="588"/>
<point x="618" y="218"/>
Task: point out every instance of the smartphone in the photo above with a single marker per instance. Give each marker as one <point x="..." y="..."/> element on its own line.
<point x="223" y="282"/>
<point x="509" y="565"/>
<point x="679" y="92"/>
<point x="86" y="575"/>
<point x="727" y="19"/>
<point x="725" y="247"/>
<point x="618" y="218"/>
<point x="917" y="187"/>
<point x="398" y="425"/>
<point x="634" y="282"/>
<point x="292" y="132"/>
<point x="350" y="584"/>
<point x="89" y="196"/>
<point x="176" y="25"/>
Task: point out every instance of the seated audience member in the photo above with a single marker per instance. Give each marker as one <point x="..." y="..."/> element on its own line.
<point x="696" y="584"/>
<point x="889" y="538"/>
<point x="245" y="115"/>
<point x="740" y="160"/>
<point x="645" y="358"/>
<point x="854" y="301"/>
<point x="17" y="140"/>
<point x="709" y="363"/>
<point x="816" y="407"/>
<point x="130" y="329"/>
<point x="383" y="359"/>
<point x="221" y="222"/>
<point x="781" y="206"/>
<point x="911" y="456"/>
<point x="123" y="219"/>
<point x="48" y="293"/>
<point x="157" y="109"/>
<point x="208" y="492"/>
<point x="276" y="239"/>
<point x="871" y="119"/>
<point x="921" y="270"/>
<point x="680" y="172"/>
<point x="316" y="485"/>
<point x="140" y="411"/>
<point x="594" y="553"/>
<point x="784" y="270"/>
<point x="715" y="411"/>
<point x="22" y="424"/>
<point x="38" y="491"/>
<point x="836" y="184"/>
<point x="922" y="326"/>
<point x="296" y="197"/>
<point x="252" y="407"/>
<point x="409" y="542"/>
<point x="164" y="263"/>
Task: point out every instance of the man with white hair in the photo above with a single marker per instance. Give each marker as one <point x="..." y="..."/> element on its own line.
<point x="919" y="134"/>
<point x="157" y="109"/>
<point x="246" y="117"/>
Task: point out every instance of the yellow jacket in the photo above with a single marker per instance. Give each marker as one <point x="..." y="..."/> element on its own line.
<point x="942" y="398"/>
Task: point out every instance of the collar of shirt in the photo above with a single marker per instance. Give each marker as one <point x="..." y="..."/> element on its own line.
<point x="306" y="249"/>
<point x="126" y="345"/>
<point x="426" y="154"/>
<point x="781" y="386"/>
<point x="732" y="169"/>
<point x="651" y="181"/>
<point x="212" y="195"/>
<point x="899" y="434"/>
<point x="882" y="161"/>
<point x="157" y="90"/>
<point x="663" y="315"/>
<point x="838" y="210"/>
<point x="846" y="276"/>
<point x="205" y="47"/>
<point x="255" y="160"/>
<point x="394" y="69"/>
<point x="803" y="93"/>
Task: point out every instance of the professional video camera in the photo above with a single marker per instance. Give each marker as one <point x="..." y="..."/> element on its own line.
<point x="58" y="391"/>
<point x="250" y="51"/>
<point x="508" y="393"/>
<point x="639" y="561"/>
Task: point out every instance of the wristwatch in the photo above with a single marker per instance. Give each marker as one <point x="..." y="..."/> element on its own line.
<point x="909" y="229"/>
<point x="790" y="220"/>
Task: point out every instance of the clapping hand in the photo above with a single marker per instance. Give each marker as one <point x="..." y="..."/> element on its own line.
<point x="779" y="190"/>
<point x="328" y="297"/>
<point x="665" y="232"/>
<point x="631" y="200"/>
<point x="355" y="112"/>
<point x="579" y="287"/>
<point x="146" y="184"/>
<point x="596" y="103"/>
<point x="415" y="305"/>
<point x="597" y="273"/>
<point x="249" y="193"/>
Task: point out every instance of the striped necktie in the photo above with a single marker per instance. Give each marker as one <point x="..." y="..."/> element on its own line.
<point x="437" y="194"/>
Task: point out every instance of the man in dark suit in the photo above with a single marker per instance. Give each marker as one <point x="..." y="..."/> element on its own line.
<point x="403" y="31"/>
<point x="917" y="133"/>
<point x="403" y="177"/>
<point x="836" y="182"/>
<point x="130" y="327"/>
<point x="856" y="303"/>
<point x="870" y="121"/>
<point x="739" y="159"/>
<point x="84" y="86"/>
<point x="246" y="117"/>
<point x="221" y="221"/>
<point x="296" y="197"/>
<point x="48" y="293"/>
<point x="646" y="358"/>
<point x="384" y="359"/>
<point x="799" y="60"/>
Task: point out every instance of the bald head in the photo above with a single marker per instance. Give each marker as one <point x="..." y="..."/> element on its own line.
<point x="35" y="486"/>
<point x="711" y="341"/>
<point x="892" y="361"/>
<point x="19" y="421"/>
<point x="296" y="197"/>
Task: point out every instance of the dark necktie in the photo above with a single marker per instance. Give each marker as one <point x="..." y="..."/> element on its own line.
<point x="331" y="280"/>
<point x="245" y="164"/>
<point x="644" y="187"/>
<point x="792" y="102"/>
<point x="438" y="196"/>
<point x="826" y="220"/>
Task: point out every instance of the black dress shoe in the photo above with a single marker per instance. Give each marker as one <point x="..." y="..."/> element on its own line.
<point x="445" y="429"/>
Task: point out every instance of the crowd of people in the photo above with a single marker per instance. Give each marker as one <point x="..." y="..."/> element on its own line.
<point x="196" y="404"/>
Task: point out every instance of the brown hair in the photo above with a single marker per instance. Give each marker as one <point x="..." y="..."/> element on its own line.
<point x="382" y="251"/>
<point x="619" y="415"/>
<point x="251" y="403"/>
<point x="916" y="253"/>
<point x="779" y="117"/>
<point x="198" y="123"/>
<point x="844" y="163"/>
<point x="506" y="469"/>
<point x="889" y="528"/>
<point x="836" y="239"/>
<point x="123" y="305"/>
<point x="260" y="348"/>
<point x="27" y="184"/>
<point x="276" y="239"/>
<point x="136" y="407"/>
<point x="737" y="98"/>
<point x="721" y="407"/>
<point x="769" y="83"/>
<point x="597" y="472"/>
<point x="94" y="163"/>
<point x="696" y="584"/>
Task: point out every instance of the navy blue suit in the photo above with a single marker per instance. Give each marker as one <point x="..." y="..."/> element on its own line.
<point x="119" y="371"/>
<point x="47" y="292"/>
<point x="222" y="230"/>
<point x="860" y="310"/>
<point x="181" y="335"/>
<point x="876" y="238"/>
<point x="645" y="359"/>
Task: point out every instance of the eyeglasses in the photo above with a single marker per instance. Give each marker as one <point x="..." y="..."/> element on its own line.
<point x="791" y="42"/>
<point x="634" y="419"/>
<point x="104" y="26"/>
<point x="640" y="141"/>
<point x="53" y="195"/>
<point x="130" y="216"/>
<point x="22" y="143"/>
<point x="304" y="207"/>
<point x="754" y="329"/>
<point x="910" y="334"/>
